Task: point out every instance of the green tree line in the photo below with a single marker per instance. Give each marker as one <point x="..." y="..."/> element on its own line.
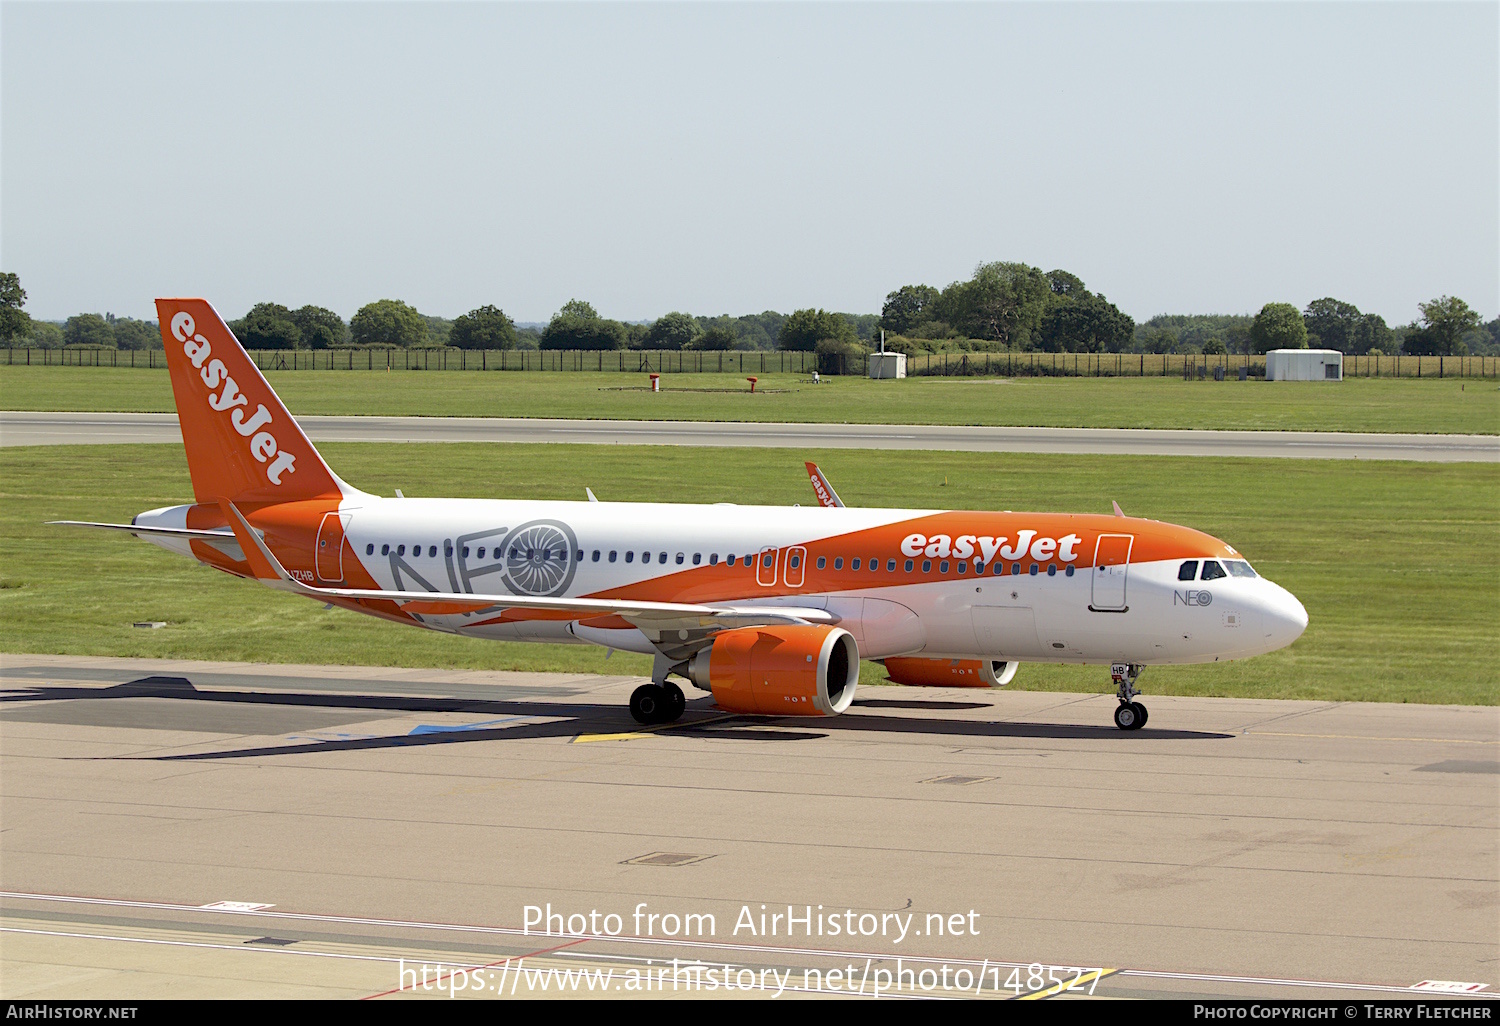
<point x="1002" y="307"/>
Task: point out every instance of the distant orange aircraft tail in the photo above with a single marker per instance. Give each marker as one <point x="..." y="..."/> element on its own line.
<point x="241" y="442"/>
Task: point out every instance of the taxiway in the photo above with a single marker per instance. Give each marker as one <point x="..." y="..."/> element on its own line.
<point x="367" y="820"/>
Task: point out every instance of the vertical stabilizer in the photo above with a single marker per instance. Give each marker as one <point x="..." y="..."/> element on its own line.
<point x="241" y="442"/>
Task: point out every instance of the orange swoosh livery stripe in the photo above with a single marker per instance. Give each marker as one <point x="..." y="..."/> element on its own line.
<point x="1153" y="541"/>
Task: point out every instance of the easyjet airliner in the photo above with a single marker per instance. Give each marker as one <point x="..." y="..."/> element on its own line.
<point x="770" y="609"/>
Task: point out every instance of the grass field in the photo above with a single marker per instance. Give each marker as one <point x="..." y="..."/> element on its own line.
<point x="1396" y="562"/>
<point x="1427" y="405"/>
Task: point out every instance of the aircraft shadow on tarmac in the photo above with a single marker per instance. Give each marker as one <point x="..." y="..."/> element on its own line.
<point x="569" y="719"/>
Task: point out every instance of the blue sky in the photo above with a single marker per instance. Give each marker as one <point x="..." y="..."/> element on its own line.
<point x="720" y="157"/>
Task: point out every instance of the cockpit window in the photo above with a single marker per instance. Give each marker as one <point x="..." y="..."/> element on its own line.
<point x="1212" y="571"/>
<point x="1239" y="568"/>
<point x="1188" y="571"/>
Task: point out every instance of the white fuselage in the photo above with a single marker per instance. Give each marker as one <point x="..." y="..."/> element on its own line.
<point x="683" y="552"/>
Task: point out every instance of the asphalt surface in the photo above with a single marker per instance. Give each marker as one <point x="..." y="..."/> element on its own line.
<point x="373" y="820"/>
<point x="18" y="428"/>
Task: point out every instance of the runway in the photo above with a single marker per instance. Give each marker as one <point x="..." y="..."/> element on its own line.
<point x="360" y="822"/>
<point x="20" y="428"/>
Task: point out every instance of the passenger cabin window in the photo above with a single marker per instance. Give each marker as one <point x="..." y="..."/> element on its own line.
<point x="662" y="558"/>
<point x="822" y="562"/>
<point x="400" y="550"/>
<point x="612" y="554"/>
<point x="1070" y="571"/>
<point x="1032" y="570"/>
<point x="963" y="568"/>
<point x="713" y="559"/>
<point x="943" y="567"/>
<point x="680" y="558"/>
<point x="768" y="559"/>
<point x="854" y="563"/>
<point x="926" y="566"/>
<point x="729" y="560"/>
<point x="431" y="551"/>
<point x="370" y="549"/>
<point x="1188" y="571"/>
<point x="1239" y="568"/>
<point x="838" y="562"/>
<point x="629" y="556"/>
<point x="697" y="558"/>
<point x="596" y="555"/>
<point x="385" y="550"/>
<point x="796" y="561"/>
<point x="1212" y="571"/>
<point x="890" y="565"/>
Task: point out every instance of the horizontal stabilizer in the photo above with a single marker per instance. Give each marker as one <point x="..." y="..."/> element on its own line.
<point x="165" y="532"/>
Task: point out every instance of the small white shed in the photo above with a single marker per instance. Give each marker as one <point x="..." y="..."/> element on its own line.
<point x="1304" y="365"/>
<point x="887" y="365"/>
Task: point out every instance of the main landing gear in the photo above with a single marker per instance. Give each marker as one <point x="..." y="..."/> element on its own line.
<point x="1129" y="714"/>
<point x="657" y="703"/>
<point x="661" y="701"/>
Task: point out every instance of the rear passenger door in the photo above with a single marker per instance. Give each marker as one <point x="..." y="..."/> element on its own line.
<point x="329" y="561"/>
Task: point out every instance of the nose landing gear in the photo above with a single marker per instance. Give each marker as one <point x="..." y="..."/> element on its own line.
<point x="1129" y="714"/>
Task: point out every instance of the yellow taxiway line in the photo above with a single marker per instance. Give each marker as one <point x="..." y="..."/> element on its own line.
<point x="631" y="735"/>
<point x="1087" y="980"/>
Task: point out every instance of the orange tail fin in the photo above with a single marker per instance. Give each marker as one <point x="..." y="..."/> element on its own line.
<point x="241" y="442"/>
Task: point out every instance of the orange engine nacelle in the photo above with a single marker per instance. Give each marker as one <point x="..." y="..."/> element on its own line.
<point x="951" y="673"/>
<point x="782" y="671"/>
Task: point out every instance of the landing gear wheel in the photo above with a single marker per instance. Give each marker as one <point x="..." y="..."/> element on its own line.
<point x="1141" y="714"/>
<point x="675" y="702"/>
<point x="648" y="703"/>
<point x="1128" y="716"/>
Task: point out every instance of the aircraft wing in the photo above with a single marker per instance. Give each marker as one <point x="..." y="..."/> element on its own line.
<point x="658" y="617"/>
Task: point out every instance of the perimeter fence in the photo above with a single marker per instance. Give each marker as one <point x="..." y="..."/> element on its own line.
<point x="1082" y="365"/>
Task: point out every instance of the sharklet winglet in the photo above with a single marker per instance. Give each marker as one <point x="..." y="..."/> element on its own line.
<point x="263" y="563"/>
<point x="822" y="488"/>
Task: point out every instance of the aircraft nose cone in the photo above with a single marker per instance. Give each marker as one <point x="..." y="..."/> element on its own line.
<point x="1285" y="618"/>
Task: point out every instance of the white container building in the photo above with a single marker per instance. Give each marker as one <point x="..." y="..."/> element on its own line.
<point x="1304" y="365"/>
<point x="887" y="365"/>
